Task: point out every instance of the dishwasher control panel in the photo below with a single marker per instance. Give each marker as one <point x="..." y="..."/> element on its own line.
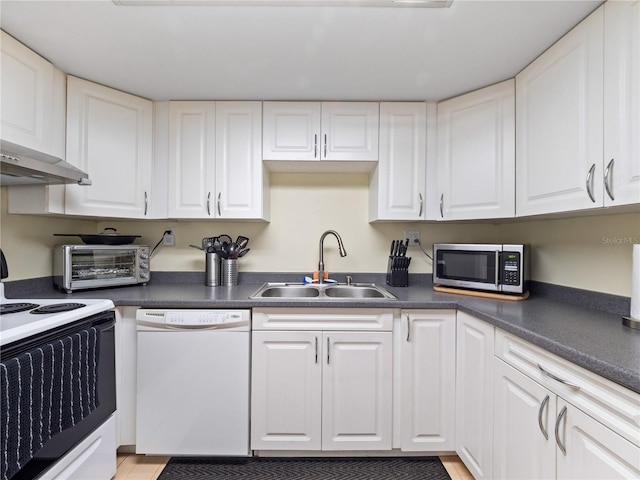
<point x="201" y="317"/>
<point x="188" y="318"/>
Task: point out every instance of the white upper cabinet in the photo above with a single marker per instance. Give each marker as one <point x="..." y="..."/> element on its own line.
<point x="215" y="166"/>
<point x="621" y="102"/>
<point x="397" y="185"/>
<point x="242" y="189"/>
<point x="291" y="131"/>
<point x="192" y="138"/>
<point x="476" y="154"/>
<point x="309" y="131"/>
<point x="32" y="99"/>
<point x="559" y="124"/>
<point x="109" y="136"/>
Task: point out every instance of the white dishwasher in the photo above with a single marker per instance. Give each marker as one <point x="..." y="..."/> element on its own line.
<point x="193" y="382"/>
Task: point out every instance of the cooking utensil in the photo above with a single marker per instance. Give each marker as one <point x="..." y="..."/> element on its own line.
<point x="103" y="238"/>
<point x="207" y="242"/>
<point x="242" y="242"/>
<point x="243" y="253"/>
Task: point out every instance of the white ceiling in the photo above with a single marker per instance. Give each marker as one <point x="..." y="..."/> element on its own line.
<point x="292" y="53"/>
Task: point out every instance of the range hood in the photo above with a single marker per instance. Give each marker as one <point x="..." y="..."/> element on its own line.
<point x="23" y="166"/>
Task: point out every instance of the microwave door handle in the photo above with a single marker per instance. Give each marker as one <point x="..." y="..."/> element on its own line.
<point x="497" y="275"/>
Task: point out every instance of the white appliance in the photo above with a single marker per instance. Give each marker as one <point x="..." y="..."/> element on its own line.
<point x="86" y="449"/>
<point x="193" y="382"/>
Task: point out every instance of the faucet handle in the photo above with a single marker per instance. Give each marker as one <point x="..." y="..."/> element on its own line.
<point x="349" y="280"/>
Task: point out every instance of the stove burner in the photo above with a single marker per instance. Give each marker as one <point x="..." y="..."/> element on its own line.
<point x="6" y="308"/>
<point x="57" y="308"/>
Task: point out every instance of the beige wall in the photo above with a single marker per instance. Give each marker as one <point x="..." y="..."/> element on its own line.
<point x="593" y="253"/>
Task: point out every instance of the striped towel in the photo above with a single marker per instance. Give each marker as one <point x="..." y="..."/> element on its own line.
<point x="44" y="392"/>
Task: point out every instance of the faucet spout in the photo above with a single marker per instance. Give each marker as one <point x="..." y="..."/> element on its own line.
<point x="343" y="252"/>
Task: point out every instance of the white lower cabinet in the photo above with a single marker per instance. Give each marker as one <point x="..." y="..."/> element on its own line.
<point x="321" y="389"/>
<point x="553" y="419"/>
<point x="427" y="391"/>
<point x="524" y="413"/>
<point x="126" y="375"/>
<point x="474" y="394"/>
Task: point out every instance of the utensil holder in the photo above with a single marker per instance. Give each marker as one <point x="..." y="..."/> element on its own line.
<point x="213" y="273"/>
<point x="230" y="272"/>
<point x="397" y="277"/>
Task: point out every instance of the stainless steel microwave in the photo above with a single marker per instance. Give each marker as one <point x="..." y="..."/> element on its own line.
<point x="491" y="267"/>
<point x="77" y="267"/>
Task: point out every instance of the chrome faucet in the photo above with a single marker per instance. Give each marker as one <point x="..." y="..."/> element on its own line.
<point x="343" y="252"/>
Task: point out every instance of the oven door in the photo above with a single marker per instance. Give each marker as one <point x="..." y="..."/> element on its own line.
<point x="467" y="266"/>
<point x="94" y="267"/>
<point x="105" y="387"/>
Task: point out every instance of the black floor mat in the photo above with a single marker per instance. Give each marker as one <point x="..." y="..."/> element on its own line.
<point x="405" y="468"/>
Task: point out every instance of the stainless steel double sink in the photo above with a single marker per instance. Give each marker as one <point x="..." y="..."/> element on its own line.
<point x="324" y="291"/>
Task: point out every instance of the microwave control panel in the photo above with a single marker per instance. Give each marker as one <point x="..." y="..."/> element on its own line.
<point x="511" y="268"/>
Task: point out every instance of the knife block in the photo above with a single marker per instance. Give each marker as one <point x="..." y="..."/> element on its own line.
<point x="397" y="278"/>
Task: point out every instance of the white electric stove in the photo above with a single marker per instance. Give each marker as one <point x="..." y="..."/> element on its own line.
<point x="23" y="318"/>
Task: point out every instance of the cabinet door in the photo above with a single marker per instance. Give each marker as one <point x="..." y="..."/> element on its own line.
<point x="591" y="450"/>
<point x="291" y="131"/>
<point x="622" y="102"/>
<point x="474" y="394"/>
<point x="350" y="131"/>
<point x="241" y="182"/>
<point x="192" y="136"/>
<point x="559" y="124"/>
<point x="126" y="375"/>
<point x="357" y="391"/>
<point x="109" y="136"/>
<point x="286" y="391"/>
<point x="476" y="154"/>
<point x="428" y="381"/>
<point x="524" y="414"/>
<point x="397" y="187"/>
<point x="32" y="99"/>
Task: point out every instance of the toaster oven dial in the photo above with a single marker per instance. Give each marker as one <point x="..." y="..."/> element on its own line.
<point x="144" y="275"/>
<point x="144" y="266"/>
<point x="144" y="256"/>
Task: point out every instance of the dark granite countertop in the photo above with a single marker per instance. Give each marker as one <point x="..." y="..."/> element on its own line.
<point x="591" y="338"/>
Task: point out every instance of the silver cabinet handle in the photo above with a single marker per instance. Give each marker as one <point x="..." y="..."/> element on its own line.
<point x="589" y="182"/>
<point x="219" y="212"/>
<point x="558" y="379"/>
<point x="209" y="203"/>
<point x="563" y="412"/>
<point x="420" y="212"/>
<point x="328" y="350"/>
<point x="316" y="350"/>
<point x="608" y="179"/>
<point x="542" y="405"/>
<point x="408" y="328"/>
<point x="325" y="145"/>
<point x="315" y="146"/>
<point x="441" y="205"/>
<point x="146" y="203"/>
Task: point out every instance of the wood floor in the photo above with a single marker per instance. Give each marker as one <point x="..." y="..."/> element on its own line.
<point x="141" y="467"/>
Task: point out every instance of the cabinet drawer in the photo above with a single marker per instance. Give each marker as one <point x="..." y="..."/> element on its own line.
<point x="613" y="405"/>
<point x="322" y="319"/>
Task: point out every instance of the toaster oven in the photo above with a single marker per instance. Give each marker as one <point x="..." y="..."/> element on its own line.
<point x="78" y="267"/>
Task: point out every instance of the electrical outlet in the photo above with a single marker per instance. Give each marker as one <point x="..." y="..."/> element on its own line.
<point x="413" y="236"/>
<point x="169" y="238"/>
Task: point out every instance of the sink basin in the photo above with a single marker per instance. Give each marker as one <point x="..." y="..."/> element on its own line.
<point x="325" y="291"/>
<point x="288" y="291"/>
